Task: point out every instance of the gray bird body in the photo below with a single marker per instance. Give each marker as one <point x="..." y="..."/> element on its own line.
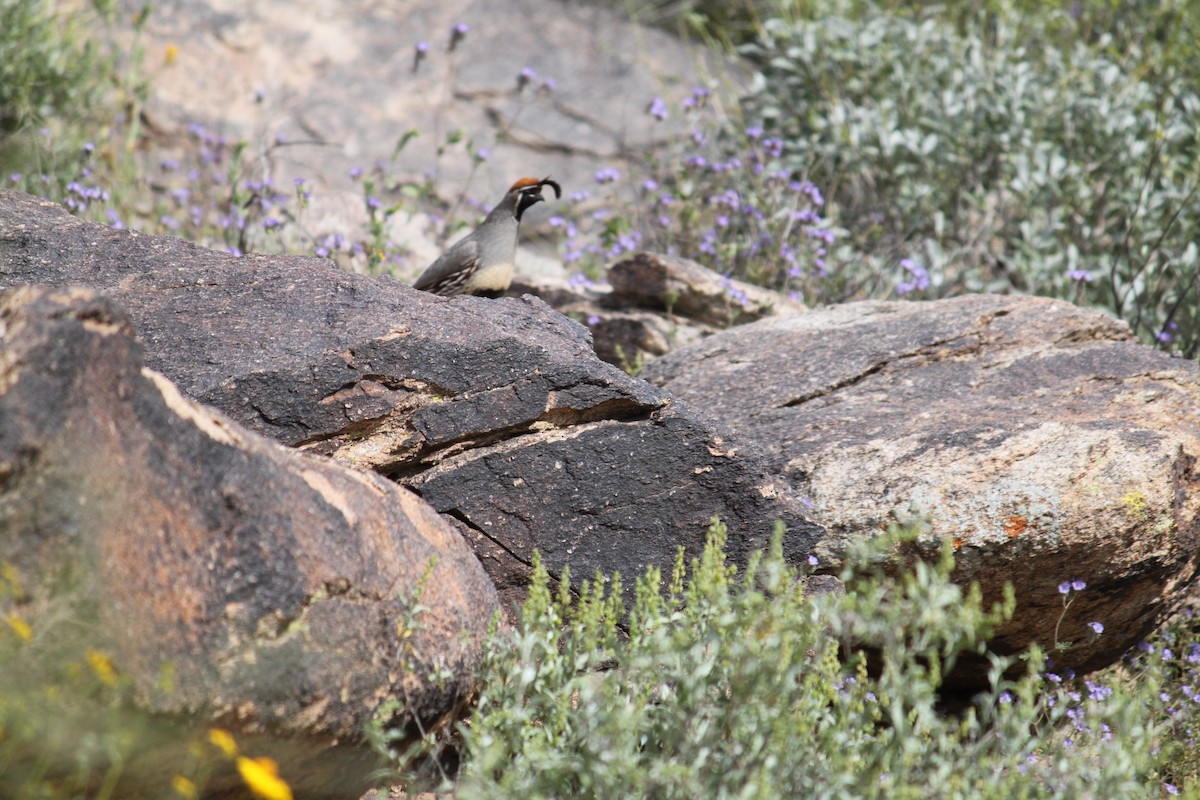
<point x="482" y="261"/>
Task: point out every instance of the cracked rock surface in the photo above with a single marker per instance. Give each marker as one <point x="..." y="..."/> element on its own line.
<point x="497" y="411"/>
<point x="1035" y="435"/>
<point x="267" y="583"/>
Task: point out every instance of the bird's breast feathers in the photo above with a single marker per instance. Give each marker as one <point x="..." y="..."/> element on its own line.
<point x="493" y="278"/>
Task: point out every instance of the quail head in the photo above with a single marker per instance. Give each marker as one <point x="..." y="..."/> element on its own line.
<point x="481" y="263"/>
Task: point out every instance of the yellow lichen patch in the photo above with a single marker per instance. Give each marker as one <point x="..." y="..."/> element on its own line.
<point x="262" y="776"/>
<point x="1134" y="504"/>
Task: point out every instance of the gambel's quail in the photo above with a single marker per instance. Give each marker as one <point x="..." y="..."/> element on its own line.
<point x="481" y="263"/>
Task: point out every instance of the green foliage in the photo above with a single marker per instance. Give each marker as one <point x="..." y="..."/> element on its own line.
<point x="714" y="21"/>
<point x="43" y="73"/>
<point x="740" y="685"/>
<point x="50" y="74"/>
<point x="1172" y="657"/>
<point x="1003" y="149"/>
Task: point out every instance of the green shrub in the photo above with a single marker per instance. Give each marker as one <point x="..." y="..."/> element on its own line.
<point x="42" y="71"/>
<point x="730" y="685"/>
<point x="52" y="81"/>
<point x="999" y="151"/>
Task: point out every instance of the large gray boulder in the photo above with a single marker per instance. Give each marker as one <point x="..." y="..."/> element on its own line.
<point x="1033" y="434"/>
<point x="497" y="411"/>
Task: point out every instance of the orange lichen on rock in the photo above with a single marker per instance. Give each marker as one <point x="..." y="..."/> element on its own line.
<point x="1015" y="526"/>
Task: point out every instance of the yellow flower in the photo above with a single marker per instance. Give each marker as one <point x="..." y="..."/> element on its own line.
<point x="20" y="627"/>
<point x="172" y="54"/>
<point x="9" y="576"/>
<point x="262" y="776"/>
<point x="184" y="787"/>
<point x="103" y="667"/>
<point x="223" y="741"/>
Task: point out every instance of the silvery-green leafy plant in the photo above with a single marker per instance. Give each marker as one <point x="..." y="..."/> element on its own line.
<point x="995" y="153"/>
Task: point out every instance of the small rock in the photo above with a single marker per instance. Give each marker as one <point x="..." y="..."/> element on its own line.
<point x="683" y="287"/>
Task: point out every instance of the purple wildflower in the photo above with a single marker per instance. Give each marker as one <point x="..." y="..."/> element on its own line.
<point x="773" y="146"/>
<point x="457" y="34"/>
<point x="607" y="175"/>
<point x="919" y="278"/>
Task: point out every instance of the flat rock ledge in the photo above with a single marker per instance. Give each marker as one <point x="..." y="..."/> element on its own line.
<point x="1035" y="435"/>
